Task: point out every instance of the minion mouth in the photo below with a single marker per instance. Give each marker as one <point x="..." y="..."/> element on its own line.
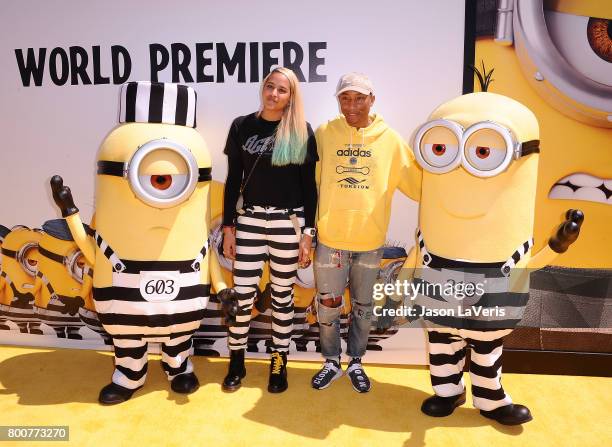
<point x="581" y="186"/>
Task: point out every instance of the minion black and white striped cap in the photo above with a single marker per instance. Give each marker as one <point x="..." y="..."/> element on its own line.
<point x="158" y="102"/>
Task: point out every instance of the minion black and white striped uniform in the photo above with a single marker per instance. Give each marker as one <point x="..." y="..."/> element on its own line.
<point x="451" y="335"/>
<point x="133" y="318"/>
<point x="90" y="318"/>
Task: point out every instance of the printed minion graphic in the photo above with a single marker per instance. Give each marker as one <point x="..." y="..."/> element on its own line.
<point x="479" y="154"/>
<point x="152" y="266"/>
<point x="3" y="325"/>
<point x="554" y="57"/>
<point x="19" y="268"/>
<point x="58" y="285"/>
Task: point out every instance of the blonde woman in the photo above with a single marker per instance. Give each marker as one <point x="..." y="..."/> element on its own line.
<point x="271" y="168"/>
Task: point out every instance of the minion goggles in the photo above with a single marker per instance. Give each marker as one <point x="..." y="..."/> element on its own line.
<point x="479" y="161"/>
<point x="180" y="186"/>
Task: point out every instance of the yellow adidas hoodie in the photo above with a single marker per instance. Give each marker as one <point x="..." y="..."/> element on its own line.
<point x="357" y="174"/>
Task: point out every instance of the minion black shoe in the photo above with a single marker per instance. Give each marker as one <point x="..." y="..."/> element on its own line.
<point x="185" y="383"/>
<point x="359" y="379"/>
<point x="278" y="372"/>
<point x="513" y="414"/>
<point x="113" y="394"/>
<point x="438" y="406"/>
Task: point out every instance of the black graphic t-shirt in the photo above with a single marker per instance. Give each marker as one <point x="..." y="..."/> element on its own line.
<point x="288" y="186"/>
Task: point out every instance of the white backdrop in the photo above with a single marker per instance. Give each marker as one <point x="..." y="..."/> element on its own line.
<point x="412" y="51"/>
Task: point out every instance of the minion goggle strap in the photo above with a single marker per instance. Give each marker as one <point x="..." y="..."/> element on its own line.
<point x="484" y="149"/>
<point x="70" y="261"/>
<point x="160" y="190"/>
<point x="21" y="256"/>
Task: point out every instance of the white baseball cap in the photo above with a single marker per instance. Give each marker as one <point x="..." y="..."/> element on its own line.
<point x="355" y="81"/>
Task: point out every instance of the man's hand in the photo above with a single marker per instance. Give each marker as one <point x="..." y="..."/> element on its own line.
<point x="568" y="231"/>
<point x="229" y="242"/>
<point x="63" y="197"/>
<point x="304" y="254"/>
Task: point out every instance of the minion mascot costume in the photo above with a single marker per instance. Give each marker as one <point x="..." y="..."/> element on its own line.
<point x="149" y="252"/>
<point x="479" y="154"/>
<point x="59" y="280"/>
<point x="19" y="268"/>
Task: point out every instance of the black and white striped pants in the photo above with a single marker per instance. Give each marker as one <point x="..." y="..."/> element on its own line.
<point x="131" y="359"/>
<point x="265" y="233"/>
<point x="447" y="350"/>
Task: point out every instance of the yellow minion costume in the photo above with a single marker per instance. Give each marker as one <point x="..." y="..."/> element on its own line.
<point x="151" y="261"/>
<point x="479" y="154"/>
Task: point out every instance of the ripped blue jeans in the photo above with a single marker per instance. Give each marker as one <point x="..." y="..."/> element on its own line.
<point x="333" y="268"/>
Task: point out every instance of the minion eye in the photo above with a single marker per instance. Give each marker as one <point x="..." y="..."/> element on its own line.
<point x="76" y="265"/>
<point x="485" y="149"/>
<point x="482" y="152"/>
<point x="164" y="186"/>
<point x="438" y="149"/>
<point x="161" y="182"/>
<point x="599" y="34"/>
<point x="436" y="146"/>
<point x="26" y="256"/>
<point x="485" y="158"/>
<point x="439" y="155"/>
<point x="585" y="42"/>
<point x="163" y="173"/>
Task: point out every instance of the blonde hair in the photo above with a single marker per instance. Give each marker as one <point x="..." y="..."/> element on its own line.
<point x="291" y="134"/>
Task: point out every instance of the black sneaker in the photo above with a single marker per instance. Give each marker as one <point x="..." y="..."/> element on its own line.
<point x="359" y="378"/>
<point x="278" y="372"/>
<point x="330" y="371"/>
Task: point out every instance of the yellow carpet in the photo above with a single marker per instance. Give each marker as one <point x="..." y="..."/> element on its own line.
<point x="60" y="387"/>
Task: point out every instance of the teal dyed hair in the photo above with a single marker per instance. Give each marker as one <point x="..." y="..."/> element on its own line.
<point x="291" y="134"/>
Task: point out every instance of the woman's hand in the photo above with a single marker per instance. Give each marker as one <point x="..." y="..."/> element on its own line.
<point x="229" y="242"/>
<point x="304" y="255"/>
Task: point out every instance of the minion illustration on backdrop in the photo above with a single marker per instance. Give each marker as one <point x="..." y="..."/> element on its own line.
<point x="479" y="158"/>
<point x="556" y="58"/>
<point x="19" y="268"/>
<point x="152" y="266"/>
<point x="58" y="286"/>
<point x="3" y="324"/>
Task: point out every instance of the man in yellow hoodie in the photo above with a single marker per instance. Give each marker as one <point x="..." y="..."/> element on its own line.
<point x="362" y="162"/>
